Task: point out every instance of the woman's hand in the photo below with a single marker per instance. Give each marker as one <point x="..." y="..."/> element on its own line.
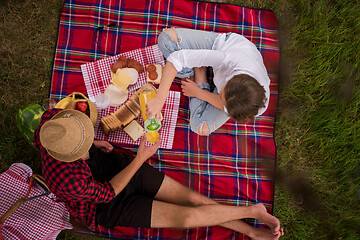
<point x="104" y="146"/>
<point x="190" y="88"/>
<point x="145" y="152"/>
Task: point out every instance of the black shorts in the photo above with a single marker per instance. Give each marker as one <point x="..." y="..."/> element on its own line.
<point x="132" y="206"/>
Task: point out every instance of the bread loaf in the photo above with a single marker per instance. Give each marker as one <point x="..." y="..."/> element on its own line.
<point x="133" y="107"/>
<point x="125" y="115"/>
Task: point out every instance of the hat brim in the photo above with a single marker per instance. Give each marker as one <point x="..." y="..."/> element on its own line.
<point x="89" y="136"/>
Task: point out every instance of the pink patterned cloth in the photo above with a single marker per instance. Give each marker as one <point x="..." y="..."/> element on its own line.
<point x="41" y="218"/>
<point x="97" y="76"/>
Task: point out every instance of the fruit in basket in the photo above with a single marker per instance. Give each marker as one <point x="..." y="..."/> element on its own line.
<point x="81" y="106"/>
<point x="69" y="102"/>
<point x="63" y="103"/>
<point x="71" y="105"/>
<point x="27" y="120"/>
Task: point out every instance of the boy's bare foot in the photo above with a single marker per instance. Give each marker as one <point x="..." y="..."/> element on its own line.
<point x="265" y="234"/>
<point x="272" y="222"/>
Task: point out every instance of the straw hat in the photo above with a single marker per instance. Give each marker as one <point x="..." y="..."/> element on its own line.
<point x="68" y="135"/>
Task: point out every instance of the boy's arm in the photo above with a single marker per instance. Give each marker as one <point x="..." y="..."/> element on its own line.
<point x="212" y="98"/>
<point x="191" y="89"/>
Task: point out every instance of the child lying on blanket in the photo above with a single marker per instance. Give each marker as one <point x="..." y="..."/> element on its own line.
<point x="241" y="80"/>
<point x="111" y="189"/>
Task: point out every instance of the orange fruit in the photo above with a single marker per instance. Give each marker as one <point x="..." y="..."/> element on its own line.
<point x="152" y="136"/>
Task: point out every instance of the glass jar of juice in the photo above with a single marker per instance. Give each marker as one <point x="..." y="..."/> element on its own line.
<point x="151" y="125"/>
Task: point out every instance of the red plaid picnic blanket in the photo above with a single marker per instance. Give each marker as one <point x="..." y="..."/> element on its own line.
<point x="235" y="164"/>
<point x="97" y="77"/>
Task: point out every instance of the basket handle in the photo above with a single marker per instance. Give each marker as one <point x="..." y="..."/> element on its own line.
<point x="79" y="94"/>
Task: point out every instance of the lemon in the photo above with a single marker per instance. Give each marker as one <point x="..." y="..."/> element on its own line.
<point x="152" y="136"/>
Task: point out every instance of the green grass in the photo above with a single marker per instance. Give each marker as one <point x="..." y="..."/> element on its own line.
<point x="317" y="127"/>
<point x="317" y="193"/>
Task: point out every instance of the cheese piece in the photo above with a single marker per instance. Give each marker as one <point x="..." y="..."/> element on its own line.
<point x="121" y="79"/>
<point x="133" y="74"/>
<point x="134" y="130"/>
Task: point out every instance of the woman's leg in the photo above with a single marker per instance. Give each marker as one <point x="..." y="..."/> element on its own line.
<point x="175" y="39"/>
<point x="177" y="204"/>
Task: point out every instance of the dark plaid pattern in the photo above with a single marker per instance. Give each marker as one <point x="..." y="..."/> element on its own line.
<point x="73" y="183"/>
<point x="235" y="164"/>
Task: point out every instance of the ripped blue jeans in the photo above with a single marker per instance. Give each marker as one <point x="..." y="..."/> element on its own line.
<point x="204" y="117"/>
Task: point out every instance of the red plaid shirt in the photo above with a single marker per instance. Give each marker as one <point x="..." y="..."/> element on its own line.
<point x="73" y="182"/>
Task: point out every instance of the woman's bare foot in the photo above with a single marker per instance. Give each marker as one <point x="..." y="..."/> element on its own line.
<point x="265" y="234"/>
<point x="272" y="222"/>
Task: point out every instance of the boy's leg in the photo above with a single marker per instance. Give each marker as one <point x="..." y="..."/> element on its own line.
<point x="175" y="39"/>
<point x="183" y="203"/>
<point x="194" y="39"/>
<point x="204" y="117"/>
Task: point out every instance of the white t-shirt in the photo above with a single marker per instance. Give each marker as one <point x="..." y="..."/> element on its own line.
<point x="236" y="55"/>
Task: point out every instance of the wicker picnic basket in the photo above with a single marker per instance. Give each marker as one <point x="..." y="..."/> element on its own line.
<point x="69" y="103"/>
